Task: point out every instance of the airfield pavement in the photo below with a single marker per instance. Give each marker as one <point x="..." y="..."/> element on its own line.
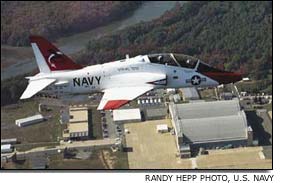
<point x="152" y="150"/>
<point x="237" y="158"/>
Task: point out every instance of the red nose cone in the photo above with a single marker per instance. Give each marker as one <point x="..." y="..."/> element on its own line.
<point x="224" y="77"/>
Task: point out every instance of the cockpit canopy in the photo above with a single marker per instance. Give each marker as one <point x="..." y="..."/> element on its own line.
<point x="173" y="60"/>
<point x="181" y="60"/>
<point x="164" y="59"/>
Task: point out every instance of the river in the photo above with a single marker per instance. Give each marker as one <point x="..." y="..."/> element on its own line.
<point x="69" y="45"/>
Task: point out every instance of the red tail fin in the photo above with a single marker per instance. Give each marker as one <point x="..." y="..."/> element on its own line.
<point x="54" y="58"/>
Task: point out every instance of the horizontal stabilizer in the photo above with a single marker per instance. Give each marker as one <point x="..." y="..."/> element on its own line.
<point x="35" y="86"/>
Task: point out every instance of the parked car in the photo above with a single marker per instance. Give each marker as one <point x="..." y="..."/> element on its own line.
<point x="104" y="125"/>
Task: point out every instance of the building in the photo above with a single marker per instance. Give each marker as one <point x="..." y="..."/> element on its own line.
<point x="163" y="128"/>
<point x="77" y="127"/>
<point x="174" y="98"/>
<point x="246" y="79"/>
<point x="171" y="90"/>
<point x="155" y="113"/>
<point x="78" y="115"/>
<point x="29" y="120"/>
<point x="126" y="115"/>
<point x="226" y="96"/>
<point x="209" y="125"/>
<point x="190" y="94"/>
<point x="7" y="148"/>
<point x="78" y="130"/>
<point x="8" y="141"/>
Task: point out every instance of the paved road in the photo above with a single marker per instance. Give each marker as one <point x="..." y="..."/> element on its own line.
<point x="75" y="144"/>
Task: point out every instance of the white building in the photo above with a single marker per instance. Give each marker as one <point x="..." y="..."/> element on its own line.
<point x="245" y="79"/>
<point x="7" y="148"/>
<point x="190" y="94"/>
<point x="127" y="115"/>
<point x="163" y="128"/>
<point x="171" y="90"/>
<point x="29" y="120"/>
<point x="8" y="141"/>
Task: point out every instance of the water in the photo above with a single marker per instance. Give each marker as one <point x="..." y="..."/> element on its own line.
<point x="147" y="12"/>
<point x="72" y="44"/>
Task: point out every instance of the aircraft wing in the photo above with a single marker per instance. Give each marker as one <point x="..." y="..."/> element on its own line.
<point x="35" y="86"/>
<point x="114" y="98"/>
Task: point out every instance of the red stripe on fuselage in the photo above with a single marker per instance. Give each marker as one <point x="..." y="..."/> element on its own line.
<point x="224" y="77"/>
<point x="114" y="104"/>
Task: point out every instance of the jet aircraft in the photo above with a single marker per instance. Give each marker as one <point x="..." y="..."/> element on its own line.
<point x="120" y="81"/>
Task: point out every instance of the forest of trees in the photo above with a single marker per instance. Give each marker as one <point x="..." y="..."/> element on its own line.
<point x="53" y="19"/>
<point x="12" y="89"/>
<point x="233" y="35"/>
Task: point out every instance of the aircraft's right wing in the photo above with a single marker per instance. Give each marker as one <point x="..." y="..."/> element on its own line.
<point x="114" y="98"/>
<point x="35" y="86"/>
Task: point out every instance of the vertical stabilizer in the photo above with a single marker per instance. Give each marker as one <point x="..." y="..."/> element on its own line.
<point x="49" y="58"/>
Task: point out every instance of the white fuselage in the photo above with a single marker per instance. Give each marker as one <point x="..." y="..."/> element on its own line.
<point x="134" y="71"/>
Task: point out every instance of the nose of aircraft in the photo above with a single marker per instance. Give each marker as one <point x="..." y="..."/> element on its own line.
<point x="224" y="77"/>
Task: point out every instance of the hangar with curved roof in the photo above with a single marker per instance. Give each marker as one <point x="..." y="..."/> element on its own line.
<point x="215" y="124"/>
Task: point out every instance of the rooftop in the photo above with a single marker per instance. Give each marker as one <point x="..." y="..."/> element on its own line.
<point x="78" y="108"/>
<point x="207" y="109"/>
<point x="78" y="127"/>
<point x="126" y="114"/>
<point x="190" y="92"/>
<point x="6" y="146"/>
<point x="30" y="118"/>
<point x="162" y="127"/>
<point x="223" y="128"/>
<point x="78" y="116"/>
<point x="151" y="112"/>
<point x="209" y="121"/>
<point x="5" y="141"/>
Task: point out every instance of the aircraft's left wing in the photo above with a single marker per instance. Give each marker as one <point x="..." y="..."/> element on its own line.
<point x="114" y="98"/>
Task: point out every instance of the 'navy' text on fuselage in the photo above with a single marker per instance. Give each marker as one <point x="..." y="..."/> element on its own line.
<point x="86" y="81"/>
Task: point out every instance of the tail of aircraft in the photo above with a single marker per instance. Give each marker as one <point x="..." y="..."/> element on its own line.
<point x="49" y="58"/>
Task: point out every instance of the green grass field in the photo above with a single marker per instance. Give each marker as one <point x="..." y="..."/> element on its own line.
<point x="99" y="159"/>
<point x="47" y="131"/>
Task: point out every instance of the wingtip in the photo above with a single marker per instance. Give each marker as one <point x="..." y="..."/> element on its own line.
<point x="23" y="97"/>
<point x="112" y="104"/>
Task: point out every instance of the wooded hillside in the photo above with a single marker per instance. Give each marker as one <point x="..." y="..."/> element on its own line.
<point x="53" y="19"/>
<point x="236" y="35"/>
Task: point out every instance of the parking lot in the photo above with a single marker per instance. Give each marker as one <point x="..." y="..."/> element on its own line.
<point x="110" y="129"/>
<point x="149" y="149"/>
